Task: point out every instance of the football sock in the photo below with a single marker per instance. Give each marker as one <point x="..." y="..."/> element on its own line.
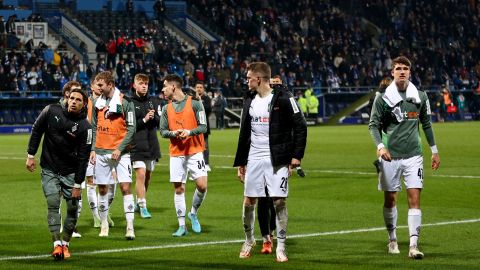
<point x="93" y="200"/>
<point x="103" y="207"/>
<point x="248" y="222"/>
<point x="112" y="188"/>
<point x="198" y="198"/>
<point x="142" y="202"/>
<point x="282" y="222"/>
<point x="180" y="207"/>
<point x="390" y="218"/>
<point x="414" y="224"/>
<point x="128" y="207"/>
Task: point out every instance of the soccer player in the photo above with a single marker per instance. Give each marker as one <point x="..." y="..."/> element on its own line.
<point x="398" y="113"/>
<point x="183" y="121"/>
<point x="113" y="121"/>
<point x="145" y="150"/>
<point x="272" y="140"/>
<point x="207" y="106"/>
<point x="91" y="186"/>
<point x="65" y="150"/>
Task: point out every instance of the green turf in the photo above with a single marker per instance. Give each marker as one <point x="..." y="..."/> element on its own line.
<point x="338" y="194"/>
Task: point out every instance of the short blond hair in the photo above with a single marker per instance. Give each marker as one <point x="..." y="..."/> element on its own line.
<point x="262" y="68"/>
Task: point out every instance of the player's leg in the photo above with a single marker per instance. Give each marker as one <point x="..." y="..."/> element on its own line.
<point x="253" y="188"/>
<point x="71" y="219"/>
<point x="76" y="233"/>
<point x="389" y="182"/>
<point x="413" y="175"/>
<point x="103" y="176"/>
<point x="112" y="189"/>
<point x="263" y="212"/>
<point x="140" y="170"/>
<point x="196" y="167"/>
<point x="124" y="177"/>
<point x="178" y="177"/>
<point x="92" y="196"/>
<point x="51" y="190"/>
<point x="206" y="153"/>
<point x="277" y="184"/>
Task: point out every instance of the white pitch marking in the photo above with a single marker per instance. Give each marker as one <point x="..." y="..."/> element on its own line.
<point x="119" y="250"/>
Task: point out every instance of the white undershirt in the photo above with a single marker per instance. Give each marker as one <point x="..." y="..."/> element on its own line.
<point x="260" y="146"/>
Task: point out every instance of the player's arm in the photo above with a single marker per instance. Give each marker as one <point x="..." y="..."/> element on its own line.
<point x="299" y="131"/>
<point x="201" y="118"/>
<point x="129" y="110"/>
<point x="426" y="122"/>
<point x="140" y="119"/>
<point x="94" y="124"/>
<point x="156" y="116"/>
<point x="38" y="129"/>
<point x="374" y="126"/>
<point x="85" y="146"/>
<point x="165" y="131"/>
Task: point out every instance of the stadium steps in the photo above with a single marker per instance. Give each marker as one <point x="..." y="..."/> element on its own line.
<point x="351" y="108"/>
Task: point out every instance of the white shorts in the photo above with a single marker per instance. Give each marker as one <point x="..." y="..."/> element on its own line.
<point x="182" y="165"/>
<point x="261" y="174"/>
<point x="391" y="172"/>
<point x="104" y="166"/>
<point x="148" y="165"/>
<point x="90" y="170"/>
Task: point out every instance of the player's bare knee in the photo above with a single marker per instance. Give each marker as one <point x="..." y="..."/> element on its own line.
<point x="90" y="181"/>
<point x="279" y="202"/>
<point x="103" y="189"/>
<point x="179" y="188"/>
<point x="125" y="187"/>
<point x="249" y="201"/>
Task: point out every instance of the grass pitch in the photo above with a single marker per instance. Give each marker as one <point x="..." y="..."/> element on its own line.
<point x="335" y="212"/>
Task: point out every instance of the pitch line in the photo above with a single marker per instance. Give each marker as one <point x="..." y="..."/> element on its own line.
<point x="211" y="243"/>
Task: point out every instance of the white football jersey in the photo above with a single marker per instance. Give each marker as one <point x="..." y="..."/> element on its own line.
<point x="260" y="115"/>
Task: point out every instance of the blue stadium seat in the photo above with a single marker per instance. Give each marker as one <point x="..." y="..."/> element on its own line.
<point x="19" y="117"/>
<point x="8" y="118"/>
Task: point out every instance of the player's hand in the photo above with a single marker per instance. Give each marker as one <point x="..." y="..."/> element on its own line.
<point x="293" y="164"/>
<point x="149" y="116"/>
<point x="76" y="193"/>
<point x="241" y="174"/>
<point x="384" y="154"/>
<point x="177" y="133"/>
<point x="116" y="154"/>
<point x="184" y="134"/>
<point x="435" y="161"/>
<point x="93" y="157"/>
<point x="30" y="164"/>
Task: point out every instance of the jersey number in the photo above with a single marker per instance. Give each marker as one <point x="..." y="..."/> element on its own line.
<point x="201" y="164"/>
<point x="284" y="183"/>
<point x="420" y="173"/>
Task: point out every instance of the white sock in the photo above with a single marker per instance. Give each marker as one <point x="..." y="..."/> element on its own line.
<point x="93" y="200"/>
<point x="180" y="207"/>
<point x="390" y="217"/>
<point x="249" y="222"/>
<point x="65" y="243"/>
<point x="57" y="243"/>
<point x="103" y="207"/>
<point x="79" y="209"/>
<point x="128" y="207"/>
<point x="198" y="198"/>
<point x="111" y="193"/>
<point x="281" y="222"/>
<point x="414" y="224"/>
<point x="142" y="202"/>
